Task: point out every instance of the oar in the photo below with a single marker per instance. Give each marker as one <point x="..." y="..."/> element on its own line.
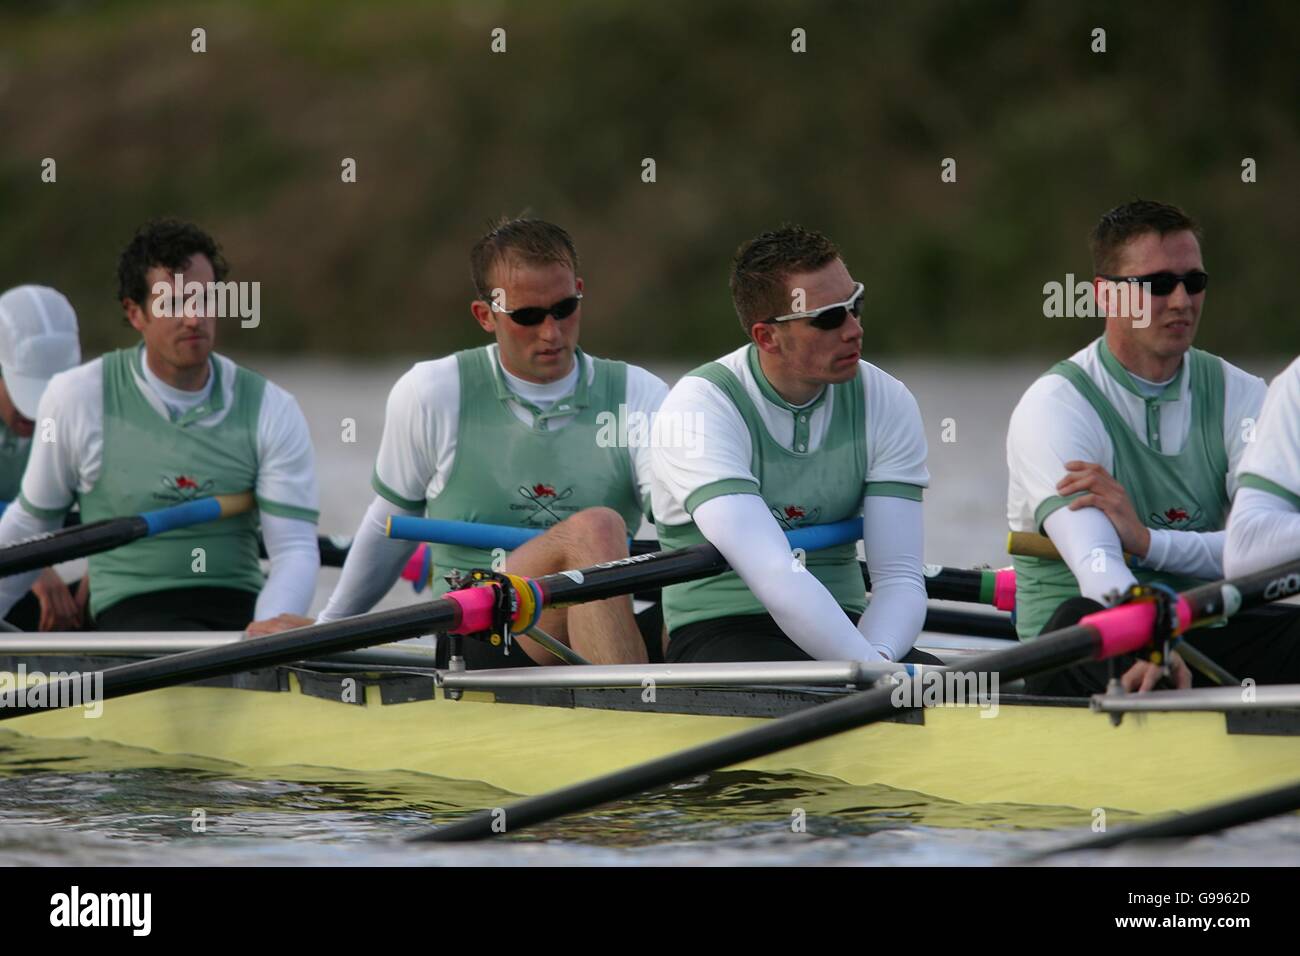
<point x="997" y="588"/>
<point x="471" y="534"/>
<point x="86" y="539"/>
<point x="333" y="547"/>
<point x="1258" y="806"/>
<point x="1104" y="634"/>
<point x="466" y="611"/>
<point x="1030" y="544"/>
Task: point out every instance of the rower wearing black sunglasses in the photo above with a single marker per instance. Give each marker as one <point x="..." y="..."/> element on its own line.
<point x="1130" y="447"/>
<point x="529" y="432"/>
<point x="790" y="430"/>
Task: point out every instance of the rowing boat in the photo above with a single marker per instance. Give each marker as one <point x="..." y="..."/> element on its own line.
<point x="525" y="731"/>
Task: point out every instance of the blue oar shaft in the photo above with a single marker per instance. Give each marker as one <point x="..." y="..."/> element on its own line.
<point x="470" y="534"/>
<point x="82" y="540"/>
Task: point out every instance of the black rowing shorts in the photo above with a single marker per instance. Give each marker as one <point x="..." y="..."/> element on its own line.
<point x="747" y="637"/>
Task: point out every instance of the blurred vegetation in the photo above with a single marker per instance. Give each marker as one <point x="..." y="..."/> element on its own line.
<point x="848" y="137"/>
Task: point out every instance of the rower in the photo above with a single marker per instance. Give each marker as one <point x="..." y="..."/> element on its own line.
<point x="164" y="422"/>
<point x="511" y="434"/>
<point x="1264" y="526"/>
<point x="38" y="339"/>
<point x="1131" y="446"/>
<point x="793" y="429"/>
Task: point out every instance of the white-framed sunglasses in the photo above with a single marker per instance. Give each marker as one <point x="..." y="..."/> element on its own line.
<point x="830" y="316"/>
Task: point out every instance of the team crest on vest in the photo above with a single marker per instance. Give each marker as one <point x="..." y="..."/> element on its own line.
<point x="182" y="488"/>
<point x="544" y="506"/>
<point x="1175" y="518"/>
<point x="794" y="516"/>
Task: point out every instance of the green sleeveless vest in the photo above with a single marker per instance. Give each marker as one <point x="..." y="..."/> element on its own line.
<point x="14" y="452"/>
<point x="508" y="473"/>
<point x="1183" y="492"/>
<point x="150" y="462"/>
<point x="799" y="488"/>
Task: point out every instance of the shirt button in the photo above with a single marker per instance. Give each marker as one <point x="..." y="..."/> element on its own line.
<point x="803" y="418"/>
<point x="803" y="447"/>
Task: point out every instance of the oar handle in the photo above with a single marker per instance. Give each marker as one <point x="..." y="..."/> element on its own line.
<point x="997" y="588"/>
<point x="80" y="541"/>
<point x="471" y="534"/>
<point x="199" y="511"/>
<point x="1030" y="544"/>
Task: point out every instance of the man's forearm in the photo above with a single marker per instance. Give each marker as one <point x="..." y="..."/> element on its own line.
<point x="1196" y="554"/>
<point x="374" y="563"/>
<point x="295" y="560"/>
<point x="1089" y="545"/>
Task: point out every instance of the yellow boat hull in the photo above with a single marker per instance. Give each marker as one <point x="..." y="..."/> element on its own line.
<point x="1050" y="756"/>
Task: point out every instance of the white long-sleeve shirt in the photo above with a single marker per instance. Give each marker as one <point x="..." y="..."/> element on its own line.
<point x="1054" y="423"/>
<point x="59" y="470"/>
<point x="713" y="446"/>
<point x="1264" y="526"/>
<point x="418" y="450"/>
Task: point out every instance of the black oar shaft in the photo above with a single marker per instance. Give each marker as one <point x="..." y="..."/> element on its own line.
<point x="74" y="542"/>
<point x="1260" y="806"/>
<point x="952" y="584"/>
<point x="587" y="584"/>
<point x="1070" y="646"/>
<point x="283" y="648"/>
<point x="949" y="584"/>
<point x="98" y="536"/>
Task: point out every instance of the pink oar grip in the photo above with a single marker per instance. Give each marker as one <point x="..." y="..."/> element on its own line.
<point x="1126" y="628"/>
<point x="475" y="609"/>
<point x="1004" y="589"/>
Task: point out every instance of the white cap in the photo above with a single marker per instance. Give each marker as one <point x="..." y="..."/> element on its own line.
<point x="38" y="339"/>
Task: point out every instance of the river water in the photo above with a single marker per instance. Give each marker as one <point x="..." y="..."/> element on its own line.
<point x="84" y="803"/>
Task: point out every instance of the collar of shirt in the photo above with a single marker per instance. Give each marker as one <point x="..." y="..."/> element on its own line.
<point x="1170" y="391"/>
<point x="184" y="407"/>
<point x="800" y="415"/>
<point x="562" y="398"/>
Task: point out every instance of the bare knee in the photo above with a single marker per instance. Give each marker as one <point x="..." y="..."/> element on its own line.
<point x="597" y="528"/>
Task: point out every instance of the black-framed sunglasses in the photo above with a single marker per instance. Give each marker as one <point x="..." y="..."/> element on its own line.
<point x="536" y="314"/>
<point x="1164" y="283"/>
<point x="831" y="316"/>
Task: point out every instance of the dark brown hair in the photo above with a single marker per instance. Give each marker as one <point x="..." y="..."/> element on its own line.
<point x="764" y="264"/>
<point x="1127" y="222"/>
<point x="531" y="241"/>
<point x="163" y="242"/>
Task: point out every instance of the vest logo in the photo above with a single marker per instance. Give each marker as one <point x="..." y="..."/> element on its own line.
<point x="544" y="503"/>
<point x="1175" y="518"/>
<point x="794" y="516"/>
<point x="182" y="488"/>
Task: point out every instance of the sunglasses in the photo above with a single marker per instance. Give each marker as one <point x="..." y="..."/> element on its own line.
<point x="1164" y="283"/>
<point x="536" y="314"/>
<point x="830" y="316"/>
